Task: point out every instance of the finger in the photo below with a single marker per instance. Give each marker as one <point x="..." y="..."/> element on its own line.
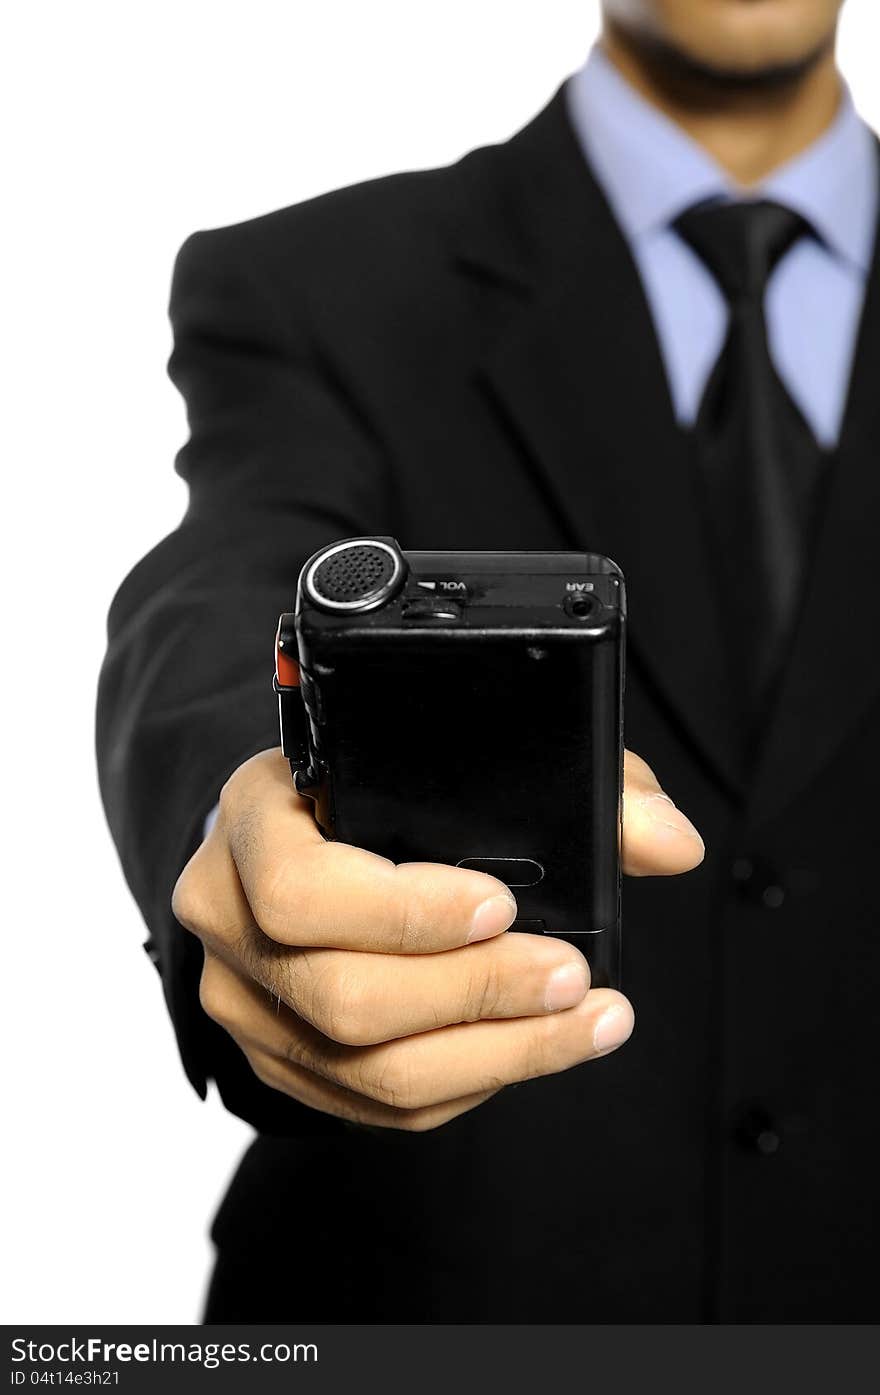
<point x="319" y="1094"/>
<point x="359" y="999"/>
<point x="304" y="890"/>
<point x="262" y="1033"/>
<point x="658" y="839"/>
<point x="437" y="1066"/>
<point x="421" y="1071"/>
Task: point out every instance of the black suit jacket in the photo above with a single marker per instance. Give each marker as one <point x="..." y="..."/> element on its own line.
<point x="464" y="358"/>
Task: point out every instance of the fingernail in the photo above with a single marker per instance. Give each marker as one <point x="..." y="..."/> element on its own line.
<point x="613" y="1027"/>
<point x="492" y="917"/>
<point x="566" y="987"/>
<point x="661" y="811"/>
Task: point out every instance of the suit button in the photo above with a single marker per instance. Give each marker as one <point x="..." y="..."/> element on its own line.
<point x="757" y="883"/>
<point x="758" y="1132"/>
<point x="742" y="871"/>
<point x="767" y="1142"/>
<point x="772" y="897"/>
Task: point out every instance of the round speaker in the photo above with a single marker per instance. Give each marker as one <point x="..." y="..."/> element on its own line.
<point x="361" y="574"/>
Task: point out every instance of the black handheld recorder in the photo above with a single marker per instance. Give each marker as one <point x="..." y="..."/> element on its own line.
<point x="466" y="707"/>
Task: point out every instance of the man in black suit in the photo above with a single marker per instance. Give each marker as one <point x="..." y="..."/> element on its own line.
<point x="648" y="325"/>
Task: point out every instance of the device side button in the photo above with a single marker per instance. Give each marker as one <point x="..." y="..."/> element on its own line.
<point x="433" y="609"/>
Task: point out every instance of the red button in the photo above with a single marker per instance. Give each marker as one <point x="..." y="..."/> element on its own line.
<point x="286" y="666"/>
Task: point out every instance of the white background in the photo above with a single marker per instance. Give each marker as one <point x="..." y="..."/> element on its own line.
<point x="127" y="127"/>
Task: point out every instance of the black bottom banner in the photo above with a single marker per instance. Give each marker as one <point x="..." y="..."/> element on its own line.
<point x="319" y="1358"/>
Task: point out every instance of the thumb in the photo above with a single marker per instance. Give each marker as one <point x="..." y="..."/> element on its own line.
<point x="658" y="839"/>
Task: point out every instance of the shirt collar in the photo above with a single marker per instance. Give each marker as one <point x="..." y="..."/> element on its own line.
<point x="834" y="184"/>
<point x="651" y="170"/>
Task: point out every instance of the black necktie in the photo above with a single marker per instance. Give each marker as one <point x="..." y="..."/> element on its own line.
<point x="760" y="463"/>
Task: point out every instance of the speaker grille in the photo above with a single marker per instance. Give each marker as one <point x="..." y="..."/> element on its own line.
<point x="353" y="574"/>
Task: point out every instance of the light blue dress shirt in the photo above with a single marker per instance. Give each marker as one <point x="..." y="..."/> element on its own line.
<point x="651" y="171"/>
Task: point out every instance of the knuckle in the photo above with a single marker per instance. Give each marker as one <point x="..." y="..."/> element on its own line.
<point x="491" y="1083"/>
<point x="392" y="1081"/>
<point x="484" y="993"/>
<point x="229" y="800"/>
<point x="410" y="925"/>
<point x="540" y="1056"/>
<point x="189" y="902"/>
<point x="214" y="996"/>
<point x="552" y="1047"/>
<point x="264" y="1069"/>
<point x="343" y="1008"/>
<point x="273" y="900"/>
<point x="407" y="930"/>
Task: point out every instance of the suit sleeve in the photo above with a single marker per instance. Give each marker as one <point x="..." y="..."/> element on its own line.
<point x="279" y="462"/>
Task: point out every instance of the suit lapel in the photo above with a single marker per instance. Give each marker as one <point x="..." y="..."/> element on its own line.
<point x="834" y="672"/>
<point x="578" y="372"/>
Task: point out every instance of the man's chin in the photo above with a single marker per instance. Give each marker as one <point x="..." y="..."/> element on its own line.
<point x="746" y="73"/>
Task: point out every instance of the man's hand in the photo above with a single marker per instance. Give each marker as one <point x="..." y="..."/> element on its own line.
<point x="388" y="994"/>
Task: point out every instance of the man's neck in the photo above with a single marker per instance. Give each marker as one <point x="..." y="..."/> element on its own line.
<point x="747" y="129"/>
